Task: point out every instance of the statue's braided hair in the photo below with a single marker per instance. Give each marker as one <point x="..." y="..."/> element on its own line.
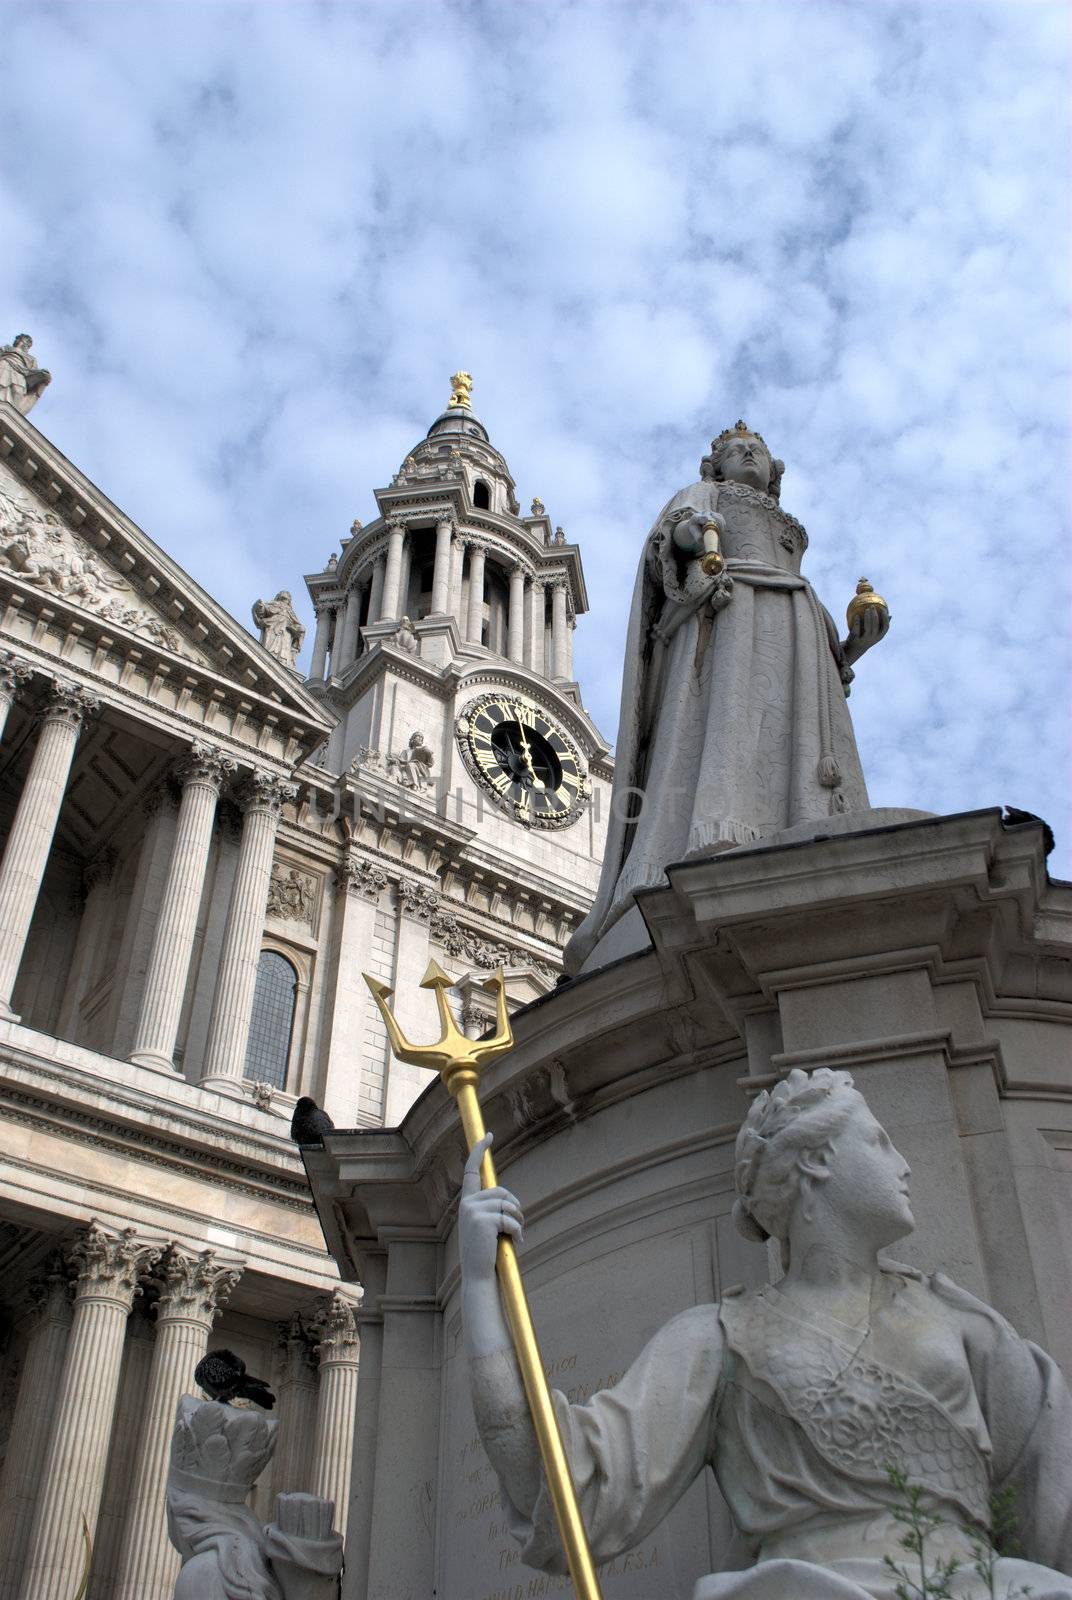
<point x="799" y="1115"/>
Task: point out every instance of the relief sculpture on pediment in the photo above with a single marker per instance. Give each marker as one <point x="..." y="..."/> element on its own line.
<point x="37" y="547"/>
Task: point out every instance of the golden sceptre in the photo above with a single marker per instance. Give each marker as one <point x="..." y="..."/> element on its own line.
<point x="459" y="1062"/>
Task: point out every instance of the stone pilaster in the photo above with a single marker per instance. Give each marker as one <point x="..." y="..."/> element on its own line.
<point x="559" y="659"/>
<point x="109" y="1266"/>
<point x="475" y="628"/>
<point x="351" y="617"/>
<point x="202" y="773"/>
<point x="457" y="576"/>
<point x="441" y="570"/>
<point x="30" y="839"/>
<point x="96" y="878"/>
<point x="263" y="798"/>
<point x="13" y="673"/>
<point x="393" y="575"/>
<point x="35" y="1406"/>
<point x="515" y="646"/>
<point x="333" y="1448"/>
<point x="321" y="642"/>
<point x="379" y="568"/>
<point x="297" y="1408"/>
<point x="193" y="1291"/>
<point x="537" y="625"/>
<point x="359" y="883"/>
<point x="571" y="624"/>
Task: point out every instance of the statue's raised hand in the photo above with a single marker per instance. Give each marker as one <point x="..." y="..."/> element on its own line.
<point x="871" y="625"/>
<point x="482" y="1216"/>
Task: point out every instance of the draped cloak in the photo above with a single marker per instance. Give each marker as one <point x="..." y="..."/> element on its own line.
<point x="799" y="1416"/>
<point x="733" y="719"/>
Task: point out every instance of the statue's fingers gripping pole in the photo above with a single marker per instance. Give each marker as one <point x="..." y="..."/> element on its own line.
<point x="459" y="1062"/>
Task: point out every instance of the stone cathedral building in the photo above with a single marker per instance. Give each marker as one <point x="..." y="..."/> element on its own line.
<point x="202" y="849"/>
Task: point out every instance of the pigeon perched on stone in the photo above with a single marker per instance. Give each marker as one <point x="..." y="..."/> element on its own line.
<point x="309" y="1124"/>
<point x="223" y="1376"/>
<point x="1013" y="816"/>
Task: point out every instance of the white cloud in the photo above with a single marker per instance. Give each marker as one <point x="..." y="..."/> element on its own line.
<point x="252" y="241"/>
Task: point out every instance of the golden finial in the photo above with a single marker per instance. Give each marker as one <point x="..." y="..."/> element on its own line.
<point x="864" y="597"/>
<point x="459" y="1060"/>
<point x="461" y="389"/>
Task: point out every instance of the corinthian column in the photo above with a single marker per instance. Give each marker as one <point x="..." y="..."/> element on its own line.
<point x="34" y="1409"/>
<point x="393" y="575"/>
<point x="35" y="822"/>
<point x="537" y="624"/>
<point x="333" y="1446"/>
<point x="12" y="673"/>
<point x="109" y="1266"/>
<point x="515" y="645"/>
<point x="475" y="630"/>
<point x="202" y="773"/>
<point x="195" y="1289"/>
<point x="441" y="570"/>
<point x="558" y="629"/>
<point x="263" y="798"/>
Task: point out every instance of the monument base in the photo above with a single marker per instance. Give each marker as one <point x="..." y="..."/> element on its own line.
<point x="933" y="960"/>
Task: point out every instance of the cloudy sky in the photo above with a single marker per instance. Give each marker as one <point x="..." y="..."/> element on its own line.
<point x="253" y="241"/>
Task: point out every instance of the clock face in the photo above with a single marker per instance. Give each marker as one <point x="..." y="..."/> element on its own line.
<point x="524" y="758"/>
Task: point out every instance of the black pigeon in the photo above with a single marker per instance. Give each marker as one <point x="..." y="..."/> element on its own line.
<point x="1013" y="816"/>
<point x="309" y="1124"/>
<point x="223" y="1376"/>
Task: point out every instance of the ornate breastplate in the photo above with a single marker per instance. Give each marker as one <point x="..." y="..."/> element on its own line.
<point x="857" y="1414"/>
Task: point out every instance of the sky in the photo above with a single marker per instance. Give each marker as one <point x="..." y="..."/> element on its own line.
<point x="252" y="242"/>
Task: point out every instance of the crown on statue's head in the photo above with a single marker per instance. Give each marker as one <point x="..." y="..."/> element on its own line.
<point x="740" y="427"/>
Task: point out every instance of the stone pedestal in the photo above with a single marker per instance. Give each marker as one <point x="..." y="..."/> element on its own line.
<point x="933" y="959"/>
<point x="72" y="1480"/>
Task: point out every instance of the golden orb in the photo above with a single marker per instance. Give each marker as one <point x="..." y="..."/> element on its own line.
<point x="865" y="596"/>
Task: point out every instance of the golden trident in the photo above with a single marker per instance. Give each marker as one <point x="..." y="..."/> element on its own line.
<point x="459" y="1062"/>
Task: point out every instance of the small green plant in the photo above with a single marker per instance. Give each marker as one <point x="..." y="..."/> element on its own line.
<point x="920" y="1582"/>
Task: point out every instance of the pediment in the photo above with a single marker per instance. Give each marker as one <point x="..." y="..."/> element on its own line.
<point x="63" y="543"/>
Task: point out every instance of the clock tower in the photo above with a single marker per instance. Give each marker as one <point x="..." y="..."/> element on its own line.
<point x="444" y="654"/>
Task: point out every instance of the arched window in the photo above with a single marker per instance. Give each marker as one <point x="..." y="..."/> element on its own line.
<point x="481" y="495"/>
<point x="272" y="1020"/>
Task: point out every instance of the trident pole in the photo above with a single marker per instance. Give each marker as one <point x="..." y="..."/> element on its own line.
<point x="459" y="1062"/>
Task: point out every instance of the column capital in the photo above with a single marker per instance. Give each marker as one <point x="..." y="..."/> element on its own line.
<point x="194" y="1288"/>
<point x="297" y="1347"/>
<point x="206" y="765"/>
<point x="13" y="672"/>
<point x="69" y="703"/>
<point x="357" y="875"/>
<point x="109" y="1265"/>
<point x="50" y="1292"/>
<point x="559" y="583"/>
<point x="336" y="1331"/>
<point x="265" y="791"/>
<point x="415" y="899"/>
<point x="100" y="868"/>
<point x="448" y="521"/>
<point x="518" y="569"/>
<point x="395" y="527"/>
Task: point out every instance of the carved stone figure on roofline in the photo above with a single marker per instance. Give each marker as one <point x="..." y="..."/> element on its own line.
<point x="22" y="381"/>
<point x="282" y="633"/>
<point x="733" y="721"/>
<point x="818" y="1403"/>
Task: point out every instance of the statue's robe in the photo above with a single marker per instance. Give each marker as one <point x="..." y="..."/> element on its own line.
<point x="799" y="1417"/>
<point x="733" y="721"/>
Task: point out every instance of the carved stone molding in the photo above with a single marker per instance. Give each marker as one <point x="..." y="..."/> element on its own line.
<point x="70" y="703"/>
<point x="99" y="870"/>
<point x="205" y="764"/>
<point x="266" y="791"/>
<point x="357" y="875"/>
<point x="111" y="1265"/>
<point x="195" y="1287"/>
<point x="417" y="899"/>
<point x="13" y="673"/>
<point x="296" y="1345"/>
<point x="50" y="1292"/>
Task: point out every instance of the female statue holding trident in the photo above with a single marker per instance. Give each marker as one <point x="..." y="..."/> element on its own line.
<point x="800" y="1396"/>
